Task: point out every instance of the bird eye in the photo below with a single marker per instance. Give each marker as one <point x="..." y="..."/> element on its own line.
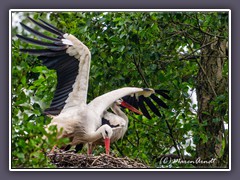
<point x="106" y="132"/>
<point x="119" y="101"/>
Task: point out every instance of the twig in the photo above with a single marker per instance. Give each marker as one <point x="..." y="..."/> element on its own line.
<point x="130" y="142"/>
<point x="96" y="160"/>
<point x="198" y="48"/>
<point x="134" y="124"/>
<point x="171" y="135"/>
<point x="138" y="66"/>
<point x="199" y="28"/>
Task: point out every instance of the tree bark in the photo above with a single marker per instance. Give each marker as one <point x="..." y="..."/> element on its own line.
<point x="211" y="84"/>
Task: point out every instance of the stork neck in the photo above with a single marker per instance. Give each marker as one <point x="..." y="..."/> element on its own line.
<point x="96" y="135"/>
<point x="84" y="70"/>
<point x="117" y="110"/>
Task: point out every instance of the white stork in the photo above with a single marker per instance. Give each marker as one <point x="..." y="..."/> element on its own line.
<point x="117" y="120"/>
<point x="75" y="119"/>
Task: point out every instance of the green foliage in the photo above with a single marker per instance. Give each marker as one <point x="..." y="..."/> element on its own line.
<point x="128" y="49"/>
<point x="30" y="95"/>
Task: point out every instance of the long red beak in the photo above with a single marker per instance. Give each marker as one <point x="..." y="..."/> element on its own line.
<point x="131" y="108"/>
<point x="107" y="145"/>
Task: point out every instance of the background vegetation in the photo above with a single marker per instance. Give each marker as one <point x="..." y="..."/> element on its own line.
<point x="183" y="52"/>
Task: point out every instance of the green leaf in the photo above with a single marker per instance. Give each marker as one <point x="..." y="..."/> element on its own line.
<point x="21" y="156"/>
<point x="204" y="138"/>
<point x="216" y="120"/>
<point x="23" y="80"/>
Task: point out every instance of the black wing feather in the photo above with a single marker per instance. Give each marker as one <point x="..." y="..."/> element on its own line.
<point x="49" y="29"/>
<point x="135" y="102"/>
<point x="163" y="93"/>
<point x="143" y="108"/>
<point x="51" y="46"/>
<point x="54" y="56"/>
<point x="64" y="86"/>
<point x="52" y="62"/>
<point x="52" y="111"/>
<point x="51" y="26"/>
<point x="152" y="106"/>
<point x="159" y="101"/>
<point x="40" y="34"/>
<point x="43" y="52"/>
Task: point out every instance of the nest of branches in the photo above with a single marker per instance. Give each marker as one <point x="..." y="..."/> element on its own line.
<point x="74" y="160"/>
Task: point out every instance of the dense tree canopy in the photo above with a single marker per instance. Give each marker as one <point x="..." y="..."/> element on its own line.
<point x="183" y="52"/>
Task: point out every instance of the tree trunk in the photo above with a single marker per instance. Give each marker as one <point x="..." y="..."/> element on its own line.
<point x="211" y="84"/>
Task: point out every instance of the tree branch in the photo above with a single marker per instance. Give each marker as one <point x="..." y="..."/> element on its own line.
<point x="171" y="135"/>
<point x="138" y="66"/>
<point x="198" y="28"/>
<point x="193" y="51"/>
<point x="130" y="142"/>
<point x="138" y="139"/>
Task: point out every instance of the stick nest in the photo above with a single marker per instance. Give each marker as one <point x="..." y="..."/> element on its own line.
<point x="73" y="160"/>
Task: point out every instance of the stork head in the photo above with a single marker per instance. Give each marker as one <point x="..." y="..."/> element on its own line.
<point x="124" y="104"/>
<point x="107" y="134"/>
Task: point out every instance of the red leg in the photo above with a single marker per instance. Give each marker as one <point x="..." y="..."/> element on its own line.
<point x="89" y="148"/>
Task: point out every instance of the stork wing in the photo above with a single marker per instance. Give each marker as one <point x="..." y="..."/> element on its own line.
<point x="107" y="121"/>
<point x="140" y="102"/>
<point x="54" y="56"/>
<point x="103" y="102"/>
